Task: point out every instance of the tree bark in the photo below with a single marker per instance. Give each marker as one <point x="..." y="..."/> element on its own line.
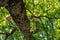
<point x="18" y="12"/>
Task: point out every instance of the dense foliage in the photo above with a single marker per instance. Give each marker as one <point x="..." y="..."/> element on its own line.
<point x="45" y="12"/>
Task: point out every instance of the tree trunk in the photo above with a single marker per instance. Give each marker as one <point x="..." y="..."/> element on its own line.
<point x="18" y="12"/>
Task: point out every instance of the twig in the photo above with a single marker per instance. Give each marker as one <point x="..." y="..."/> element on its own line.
<point x="9" y="34"/>
<point x="37" y="28"/>
<point x="2" y="33"/>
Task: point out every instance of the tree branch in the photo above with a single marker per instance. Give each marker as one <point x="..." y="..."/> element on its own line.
<point x="2" y="33"/>
<point x="41" y="15"/>
<point x="9" y="34"/>
<point x="37" y="28"/>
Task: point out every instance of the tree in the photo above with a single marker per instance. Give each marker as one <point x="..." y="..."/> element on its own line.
<point x="42" y="16"/>
<point x="18" y="12"/>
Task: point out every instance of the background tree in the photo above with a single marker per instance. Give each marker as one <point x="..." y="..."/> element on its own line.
<point x="36" y="19"/>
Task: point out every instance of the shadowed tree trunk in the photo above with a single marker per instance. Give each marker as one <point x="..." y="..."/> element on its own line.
<point x="17" y="11"/>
